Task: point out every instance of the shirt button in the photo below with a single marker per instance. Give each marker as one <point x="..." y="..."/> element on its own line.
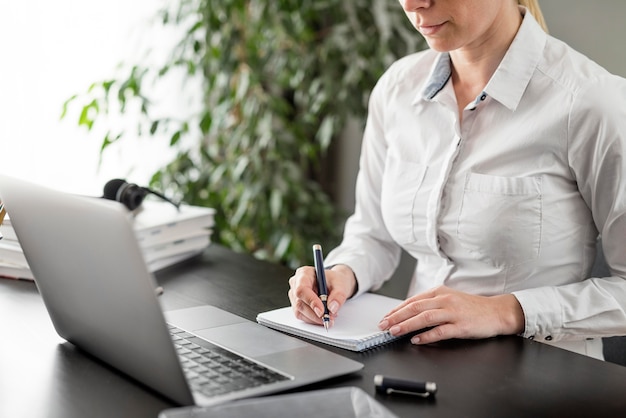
<point x="483" y="97"/>
<point x="532" y="337"/>
<point x="549" y="338"/>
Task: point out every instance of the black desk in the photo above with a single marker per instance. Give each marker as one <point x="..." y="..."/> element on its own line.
<point x="41" y="375"/>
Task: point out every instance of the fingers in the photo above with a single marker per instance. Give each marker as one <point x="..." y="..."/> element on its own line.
<point x="439" y="333"/>
<point x="303" y="296"/>
<point x="429" y="294"/>
<point x="416" y="313"/>
<point x="443" y="313"/>
<point x="341" y="285"/>
<point x="305" y="301"/>
<point x="415" y="317"/>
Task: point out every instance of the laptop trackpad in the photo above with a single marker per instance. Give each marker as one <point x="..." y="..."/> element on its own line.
<point x="250" y="339"/>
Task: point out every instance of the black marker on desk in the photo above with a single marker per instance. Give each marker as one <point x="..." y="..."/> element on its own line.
<point x="391" y="385"/>
<point x="322" y="289"/>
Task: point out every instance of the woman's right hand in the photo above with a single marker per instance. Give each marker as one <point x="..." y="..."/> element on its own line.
<point x="305" y="301"/>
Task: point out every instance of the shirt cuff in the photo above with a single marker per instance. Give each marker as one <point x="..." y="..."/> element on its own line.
<point x="542" y="313"/>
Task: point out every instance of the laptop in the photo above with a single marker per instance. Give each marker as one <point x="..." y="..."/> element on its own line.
<point x="94" y="282"/>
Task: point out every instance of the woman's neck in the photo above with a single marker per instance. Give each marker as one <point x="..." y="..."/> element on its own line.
<point x="474" y="64"/>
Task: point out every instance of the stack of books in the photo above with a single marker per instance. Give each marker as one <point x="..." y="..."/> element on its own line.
<point x="165" y="234"/>
<point x="168" y="235"/>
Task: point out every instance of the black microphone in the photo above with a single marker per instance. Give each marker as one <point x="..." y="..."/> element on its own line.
<point x="130" y="194"/>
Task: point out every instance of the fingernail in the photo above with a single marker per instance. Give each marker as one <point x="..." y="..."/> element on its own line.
<point x="415" y="340"/>
<point x="318" y="312"/>
<point x="334" y="305"/>
<point x="383" y="324"/>
<point x="394" y="330"/>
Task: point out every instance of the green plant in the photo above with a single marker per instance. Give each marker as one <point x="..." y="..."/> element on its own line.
<point x="278" y="78"/>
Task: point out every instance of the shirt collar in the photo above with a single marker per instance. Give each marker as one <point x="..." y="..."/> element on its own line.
<point x="508" y="83"/>
<point x="439" y="76"/>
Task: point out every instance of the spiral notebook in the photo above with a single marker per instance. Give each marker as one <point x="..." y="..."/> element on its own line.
<point x="355" y="328"/>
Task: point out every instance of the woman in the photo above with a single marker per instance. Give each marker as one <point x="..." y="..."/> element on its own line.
<point x="495" y="158"/>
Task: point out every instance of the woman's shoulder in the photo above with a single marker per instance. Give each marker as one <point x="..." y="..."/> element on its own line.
<point x="596" y="93"/>
<point x="574" y="70"/>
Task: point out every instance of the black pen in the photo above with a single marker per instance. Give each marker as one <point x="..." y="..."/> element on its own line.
<point x="391" y="385"/>
<point x="322" y="289"/>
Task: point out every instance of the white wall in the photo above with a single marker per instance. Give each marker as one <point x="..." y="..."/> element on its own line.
<point x="595" y="28"/>
<point x="49" y="51"/>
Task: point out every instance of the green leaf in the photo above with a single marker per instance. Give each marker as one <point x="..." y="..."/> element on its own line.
<point x="154" y="127"/>
<point x="88" y="114"/>
<point x="175" y="138"/>
<point x="66" y="104"/>
<point x="206" y="122"/>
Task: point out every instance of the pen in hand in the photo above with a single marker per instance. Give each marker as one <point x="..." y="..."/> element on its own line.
<point x="322" y="289"/>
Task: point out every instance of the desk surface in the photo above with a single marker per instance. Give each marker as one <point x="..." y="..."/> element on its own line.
<point x="41" y="375"/>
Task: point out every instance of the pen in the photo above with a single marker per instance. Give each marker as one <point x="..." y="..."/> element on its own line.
<point x="322" y="289"/>
<point x="391" y="385"/>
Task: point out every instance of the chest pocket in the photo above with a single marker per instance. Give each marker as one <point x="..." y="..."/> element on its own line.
<point x="500" y="219"/>
<point x="401" y="204"/>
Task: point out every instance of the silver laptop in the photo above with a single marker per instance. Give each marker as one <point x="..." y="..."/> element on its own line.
<point x="94" y="282"/>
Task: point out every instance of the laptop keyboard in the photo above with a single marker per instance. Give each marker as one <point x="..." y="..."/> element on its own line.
<point x="213" y="371"/>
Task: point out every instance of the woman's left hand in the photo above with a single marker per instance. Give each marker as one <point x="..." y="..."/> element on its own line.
<point x="450" y="313"/>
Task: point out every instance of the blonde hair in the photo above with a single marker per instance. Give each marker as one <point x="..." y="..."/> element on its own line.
<point x="533" y="7"/>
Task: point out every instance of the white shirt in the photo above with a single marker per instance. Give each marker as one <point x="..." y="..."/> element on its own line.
<point x="511" y="200"/>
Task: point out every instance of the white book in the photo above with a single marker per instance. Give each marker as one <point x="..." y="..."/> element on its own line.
<point x="161" y="263"/>
<point x="175" y="236"/>
<point x="166" y="236"/>
<point x="170" y="249"/>
<point x="14" y="271"/>
<point x="159" y="222"/>
<point x="13" y="243"/>
<point x="12" y="253"/>
<point x="7" y="230"/>
<point x="154" y="222"/>
<point x="355" y="328"/>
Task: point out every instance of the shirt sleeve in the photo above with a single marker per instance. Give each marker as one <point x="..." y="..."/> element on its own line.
<point x="596" y="306"/>
<point x="367" y="248"/>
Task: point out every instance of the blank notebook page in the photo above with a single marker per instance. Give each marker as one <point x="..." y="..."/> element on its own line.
<point x="355" y="327"/>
